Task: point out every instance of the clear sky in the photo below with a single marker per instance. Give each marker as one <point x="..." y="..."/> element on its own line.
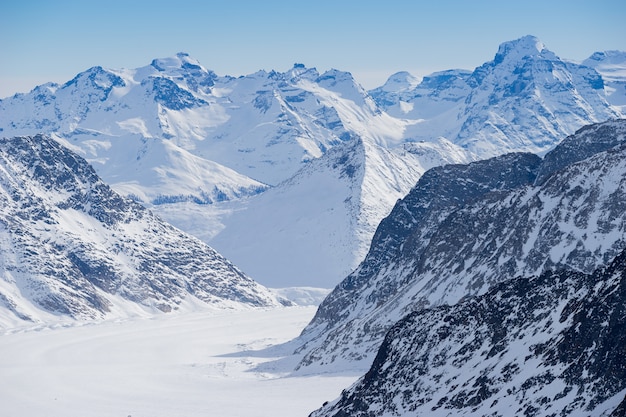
<point x="53" y="40"/>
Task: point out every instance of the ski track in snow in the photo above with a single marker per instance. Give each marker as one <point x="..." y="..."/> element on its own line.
<point x="193" y="364"/>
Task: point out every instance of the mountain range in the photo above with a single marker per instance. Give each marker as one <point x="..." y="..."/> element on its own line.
<point x="243" y="162"/>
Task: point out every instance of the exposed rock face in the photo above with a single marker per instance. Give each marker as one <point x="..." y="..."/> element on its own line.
<point x="72" y="246"/>
<point x="544" y="346"/>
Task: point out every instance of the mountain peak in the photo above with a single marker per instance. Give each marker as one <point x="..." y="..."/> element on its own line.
<point x="610" y="57"/>
<point x="400" y="81"/>
<point x="612" y="66"/>
<point x="519" y="48"/>
<point x="180" y="60"/>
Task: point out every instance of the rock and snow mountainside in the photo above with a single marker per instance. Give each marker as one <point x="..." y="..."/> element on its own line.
<point x="543" y="346"/>
<point x="174" y="133"/>
<point x="178" y="137"/>
<point x="316" y="227"/>
<point x="526" y="99"/>
<point x="72" y="247"/>
<point x="464" y="228"/>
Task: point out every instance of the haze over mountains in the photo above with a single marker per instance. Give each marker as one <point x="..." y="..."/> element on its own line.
<point x="245" y="163"/>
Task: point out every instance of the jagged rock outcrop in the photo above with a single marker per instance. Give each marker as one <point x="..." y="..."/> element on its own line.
<point x="543" y="346"/>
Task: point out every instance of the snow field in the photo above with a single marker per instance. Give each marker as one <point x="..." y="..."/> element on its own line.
<point x="189" y="364"/>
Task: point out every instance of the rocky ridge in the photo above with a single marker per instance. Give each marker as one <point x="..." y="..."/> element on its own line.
<point x="464" y="228"/>
<point x="72" y="247"/>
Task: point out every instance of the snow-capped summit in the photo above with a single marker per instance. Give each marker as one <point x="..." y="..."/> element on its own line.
<point x="298" y="72"/>
<point x="262" y="126"/>
<point x="400" y="81"/>
<point x="606" y="59"/>
<point x="516" y="50"/>
<point x="525" y="99"/>
<point x="180" y="60"/>
<point x="612" y="66"/>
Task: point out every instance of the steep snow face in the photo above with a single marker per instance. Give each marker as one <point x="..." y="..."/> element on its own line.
<point x="612" y="66"/>
<point x="317" y="226"/>
<point x="544" y="346"/>
<point x="526" y="99"/>
<point x="464" y="228"/>
<point x="73" y="248"/>
<point x="433" y="98"/>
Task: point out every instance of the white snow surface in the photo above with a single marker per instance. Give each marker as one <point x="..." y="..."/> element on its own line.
<point x="612" y="66"/>
<point x="199" y="363"/>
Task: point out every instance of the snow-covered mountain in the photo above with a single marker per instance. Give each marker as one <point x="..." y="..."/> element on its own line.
<point x="464" y="228"/>
<point x="544" y="346"/>
<point x="169" y="130"/>
<point x="70" y="247"/>
<point x="203" y="150"/>
<point x="174" y="133"/>
<point x="526" y="99"/>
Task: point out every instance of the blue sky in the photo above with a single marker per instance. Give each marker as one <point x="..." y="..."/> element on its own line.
<point x="54" y="40"/>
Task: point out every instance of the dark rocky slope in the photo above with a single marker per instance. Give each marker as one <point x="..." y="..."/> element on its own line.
<point x="71" y="246"/>
<point x="552" y="345"/>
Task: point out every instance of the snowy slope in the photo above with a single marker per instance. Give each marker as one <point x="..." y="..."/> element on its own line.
<point x="139" y="129"/>
<point x="71" y="248"/>
<point x="545" y="346"/>
<point x="464" y="228"/>
<point x="317" y="226"/>
<point x="612" y="66"/>
<point x="181" y="364"/>
<point x="173" y="114"/>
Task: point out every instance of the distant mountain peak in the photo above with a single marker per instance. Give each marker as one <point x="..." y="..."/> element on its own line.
<point x="299" y="71"/>
<point x="182" y="64"/>
<point x="400" y="81"/>
<point x="180" y="60"/>
<point x="607" y="56"/>
<point x="526" y="46"/>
